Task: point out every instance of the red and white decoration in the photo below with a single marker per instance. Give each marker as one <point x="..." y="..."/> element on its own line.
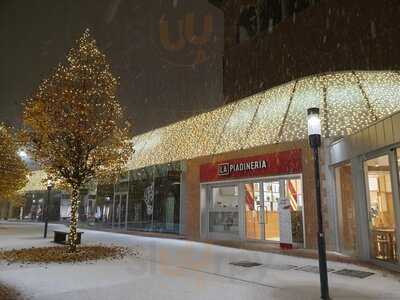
<point x="286" y="162"/>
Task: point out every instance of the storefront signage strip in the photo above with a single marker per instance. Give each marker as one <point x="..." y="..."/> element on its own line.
<point x="286" y="162"/>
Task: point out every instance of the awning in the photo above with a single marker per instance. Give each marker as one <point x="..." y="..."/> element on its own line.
<point x="349" y="101"/>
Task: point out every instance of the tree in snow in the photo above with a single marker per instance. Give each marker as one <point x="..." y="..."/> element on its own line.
<point x="74" y="125"/>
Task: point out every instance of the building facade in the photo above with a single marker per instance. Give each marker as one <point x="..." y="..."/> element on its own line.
<point x="244" y="171"/>
<point x="233" y="174"/>
<point x="365" y="167"/>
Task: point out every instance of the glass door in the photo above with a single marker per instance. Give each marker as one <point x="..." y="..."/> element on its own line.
<point x="254" y="212"/>
<point x="272" y="194"/>
<point x="266" y="202"/>
<point x="119" y="211"/>
<point x="381" y="209"/>
<point x="261" y="210"/>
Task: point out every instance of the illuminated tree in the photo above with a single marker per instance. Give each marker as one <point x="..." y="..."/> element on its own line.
<point x="74" y="125"/>
<point x="13" y="171"/>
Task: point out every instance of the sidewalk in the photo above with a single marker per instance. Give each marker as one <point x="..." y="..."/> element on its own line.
<point x="255" y="246"/>
<point x="298" y="252"/>
<point x="179" y="269"/>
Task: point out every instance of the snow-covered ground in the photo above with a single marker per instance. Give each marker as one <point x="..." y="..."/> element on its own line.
<point x="178" y="269"/>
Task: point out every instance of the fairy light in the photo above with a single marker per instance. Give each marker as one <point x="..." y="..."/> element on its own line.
<point x="35" y="182"/>
<point x="74" y="125"/>
<point x="241" y="125"/>
<point x="233" y="134"/>
<point x="269" y="116"/>
<point x="13" y="171"/>
<point x="383" y="90"/>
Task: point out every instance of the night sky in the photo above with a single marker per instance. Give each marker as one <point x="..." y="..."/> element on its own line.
<point x="165" y="76"/>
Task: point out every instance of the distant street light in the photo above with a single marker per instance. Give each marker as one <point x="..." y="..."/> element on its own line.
<point x="314" y="135"/>
<point x="22" y="154"/>
<point x="46" y="207"/>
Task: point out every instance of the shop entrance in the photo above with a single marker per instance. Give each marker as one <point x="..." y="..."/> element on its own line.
<point x="261" y="210"/>
<point x="262" y="207"/>
<point x="120" y="208"/>
<point x="252" y="210"/>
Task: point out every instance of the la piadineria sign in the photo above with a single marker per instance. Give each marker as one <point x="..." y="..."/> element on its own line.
<point x="225" y="169"/>
<point x="286" y="162"/>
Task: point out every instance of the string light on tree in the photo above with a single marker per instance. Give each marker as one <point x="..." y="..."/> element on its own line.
<point x="74" y="125"/>
<point x="13" y="171"/>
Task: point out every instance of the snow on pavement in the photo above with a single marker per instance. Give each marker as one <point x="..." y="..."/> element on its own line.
<point x="178" y="269"/>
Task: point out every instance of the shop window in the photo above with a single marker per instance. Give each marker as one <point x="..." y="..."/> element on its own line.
<point x="225" y="197"/>
<point x="103" y="205"/>
<point x="224" y="222"/>
<point x="381" y="209"/>
<point x="224" y="210"/>
<point x="346" y="212"/>
<point x="294" y="192"/>
<point x="154" y="198"/>
<point x="146" y="199"/>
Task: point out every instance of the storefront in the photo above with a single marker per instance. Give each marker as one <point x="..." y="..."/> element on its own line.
<point x="146" y="199"/>
<point x="244" y="171"/>
<point x="35" y="202"/>
<point x="258" y="195"/>
<point x="254" y="198"/>
<point x="366" y="173"/>
<point x="246" y="206"/>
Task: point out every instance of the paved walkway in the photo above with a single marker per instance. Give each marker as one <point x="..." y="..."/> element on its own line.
<point x="178" y="269"/>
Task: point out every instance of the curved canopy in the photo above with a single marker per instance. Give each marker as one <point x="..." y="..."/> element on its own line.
<point x="348" y="102"/>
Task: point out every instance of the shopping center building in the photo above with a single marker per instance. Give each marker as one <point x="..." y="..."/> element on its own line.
<point x="244" y="171"/>
<point x="239" y="162"/>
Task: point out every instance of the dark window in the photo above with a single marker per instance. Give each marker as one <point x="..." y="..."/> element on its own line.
<point x="259" y="15"/>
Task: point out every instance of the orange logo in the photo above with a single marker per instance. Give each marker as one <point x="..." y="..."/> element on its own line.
<point x="192" y="46"/>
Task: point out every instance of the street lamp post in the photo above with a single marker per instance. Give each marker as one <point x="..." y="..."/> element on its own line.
<point x="41" y="207"/>
<point x="314" y="135"/>
<point x="46" y="207"/>
<point x="33" y="208"/>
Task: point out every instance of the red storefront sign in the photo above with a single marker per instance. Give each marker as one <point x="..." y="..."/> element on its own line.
<point x="286" y="162"/>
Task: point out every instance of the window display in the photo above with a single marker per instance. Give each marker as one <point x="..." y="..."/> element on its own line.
<point x="154" y="198"/>
<point x="224" y="210"/>
<point x="381" y="209"/>
<point x="145" y="199"/>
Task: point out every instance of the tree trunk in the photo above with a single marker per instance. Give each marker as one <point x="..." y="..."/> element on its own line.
<point x="3" y="209"/>
<point x="73" y="236"/>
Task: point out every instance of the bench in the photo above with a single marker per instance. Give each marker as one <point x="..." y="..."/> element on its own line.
<point x="60" y="237"/>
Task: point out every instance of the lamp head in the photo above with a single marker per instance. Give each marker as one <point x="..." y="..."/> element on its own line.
<point x="49" y="184"/>
<point x="22" y="154"/>
<point x="314" y="126"/>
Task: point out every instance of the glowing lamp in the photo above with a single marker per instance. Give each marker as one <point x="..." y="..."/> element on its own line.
<point x="314" y="126"/>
